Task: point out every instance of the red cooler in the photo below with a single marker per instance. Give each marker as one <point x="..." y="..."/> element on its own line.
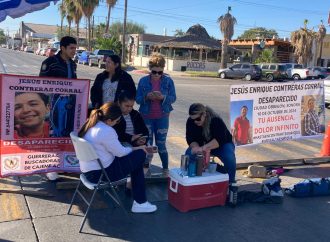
<point x="188" y="193"/>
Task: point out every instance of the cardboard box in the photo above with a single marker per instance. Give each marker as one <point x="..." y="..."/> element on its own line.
<point x="188" y="193"/>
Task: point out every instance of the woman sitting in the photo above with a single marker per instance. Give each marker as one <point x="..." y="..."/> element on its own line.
<point x="206" y="131"/>
<point x="132" y="130"/>
<point x="118" y="161"/>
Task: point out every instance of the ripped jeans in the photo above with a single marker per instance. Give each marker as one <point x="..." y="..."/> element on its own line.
<point x="158" y="128"/>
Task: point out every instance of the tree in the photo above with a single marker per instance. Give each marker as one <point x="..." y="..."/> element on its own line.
<point x="266" y="56"/>
<point x="179" y="33"/>
<point x="302" y="41"/>
<point x="226" y="23"/>
<point x="62" y="10"/>
<point x="2" y="37"/>
<point x="261" y="32"/>
<point x="111" y="4"/>
<point x="116" y="28"/>
<point x="109" y="44"/>
<point x="88" y="7"/>
<point x="320" y="37"/>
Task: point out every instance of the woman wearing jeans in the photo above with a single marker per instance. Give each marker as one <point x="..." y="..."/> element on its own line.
<point x="156" y="94"/>
<point x="118" y="161"/>
<point x="206" y="131"/>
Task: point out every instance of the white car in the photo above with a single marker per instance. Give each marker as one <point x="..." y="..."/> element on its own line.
<point x="327" y="91"/>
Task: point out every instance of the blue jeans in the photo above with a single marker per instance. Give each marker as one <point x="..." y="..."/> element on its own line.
<point x="226" y="153"/>
<point x="120" y="168"/>
<point x="159" y="128"/>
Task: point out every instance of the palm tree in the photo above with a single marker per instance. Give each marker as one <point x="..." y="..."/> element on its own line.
<point x="226" y="23"/>
<point x="320" y="37"/>
<point x="111" y="4"/>
<point x="88" y="7"/>
<point x="74" y="11"/>
<point x="302" y="41"/>
<point x="62" y="10"/>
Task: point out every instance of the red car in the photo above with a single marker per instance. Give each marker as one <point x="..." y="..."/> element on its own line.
<point x="50" y="52"/>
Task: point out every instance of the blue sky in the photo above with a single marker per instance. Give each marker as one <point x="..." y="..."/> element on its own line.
<point x="284" y="16"/>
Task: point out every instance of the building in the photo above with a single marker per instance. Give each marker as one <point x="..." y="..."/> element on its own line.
<point x="251" y="48"/>
<point x="196" y="51"/>
<point x="39" y="35"/>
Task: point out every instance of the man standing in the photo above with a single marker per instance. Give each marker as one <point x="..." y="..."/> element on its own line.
<point x="61" y="65"/>
<point x="311" y="119"/>
<point x="241" y="130"/>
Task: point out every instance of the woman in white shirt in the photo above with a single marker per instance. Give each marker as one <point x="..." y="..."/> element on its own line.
<point x="118" y="161"/>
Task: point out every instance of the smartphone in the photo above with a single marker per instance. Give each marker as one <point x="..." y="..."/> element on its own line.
<point x="152" y="149"/>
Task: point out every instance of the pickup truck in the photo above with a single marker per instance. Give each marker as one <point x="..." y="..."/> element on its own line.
<point x="297" y="72"/>
<point x="98" y="57"/>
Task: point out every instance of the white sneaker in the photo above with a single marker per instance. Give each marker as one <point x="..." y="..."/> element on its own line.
<point x="143" y="207"/>
<point x="52" y="176"/>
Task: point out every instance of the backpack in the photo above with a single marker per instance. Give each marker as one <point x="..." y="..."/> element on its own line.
<point x="310" y="188"/>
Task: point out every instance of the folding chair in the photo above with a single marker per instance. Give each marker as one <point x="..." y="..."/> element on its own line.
<point x="85" y="153"/>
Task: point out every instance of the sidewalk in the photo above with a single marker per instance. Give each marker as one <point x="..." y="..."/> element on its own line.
<point x="28" y="218"/>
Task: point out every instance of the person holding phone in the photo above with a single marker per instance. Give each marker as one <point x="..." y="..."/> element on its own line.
<point x="155" y="95"/>
<point x="118" y="160"/>
<point x="132" y="129"/>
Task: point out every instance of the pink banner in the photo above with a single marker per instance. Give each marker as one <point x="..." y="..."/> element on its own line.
<point x="37" y="116"/>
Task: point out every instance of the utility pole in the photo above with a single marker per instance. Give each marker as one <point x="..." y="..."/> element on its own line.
<point x="123" y="52"/>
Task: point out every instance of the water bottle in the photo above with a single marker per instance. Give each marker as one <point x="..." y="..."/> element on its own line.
<point x="192" y="168"/>
<point x="200" y="161"/>
<point x="233" y="188"/>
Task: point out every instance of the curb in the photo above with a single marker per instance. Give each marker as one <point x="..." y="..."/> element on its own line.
<point x="290" y="162"/>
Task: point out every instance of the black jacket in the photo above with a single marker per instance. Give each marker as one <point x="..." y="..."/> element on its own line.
<point x="218" y="131"/>
<point x="138" y="125"/>
<point x="55" y="66"/>
<point x="125" y="82"/>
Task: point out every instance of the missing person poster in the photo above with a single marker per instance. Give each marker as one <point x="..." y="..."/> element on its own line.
<point x="37" y="116"/>
<point x="274" y="112"/>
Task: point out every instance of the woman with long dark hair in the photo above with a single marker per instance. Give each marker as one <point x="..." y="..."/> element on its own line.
<point x="111" y="82"/>
<point x="206" y="131"/>
<point x="118" y="161"/>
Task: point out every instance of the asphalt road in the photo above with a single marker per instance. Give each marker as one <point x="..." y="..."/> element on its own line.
<point x="211" y="91"/>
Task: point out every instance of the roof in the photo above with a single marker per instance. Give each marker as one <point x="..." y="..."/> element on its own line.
<point x="195" y="38"/>
<point x="50" y="29"/>
<point x="153" y="37"/>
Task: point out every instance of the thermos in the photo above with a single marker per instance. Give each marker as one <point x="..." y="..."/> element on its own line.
<point x="184" y="164"/>
<point x="200" y="164"/>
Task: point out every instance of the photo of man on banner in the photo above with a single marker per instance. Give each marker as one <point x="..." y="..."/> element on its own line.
<point x="38" y="115"/>
<point x="241" y="122"/>
<point x="311" y="113"/>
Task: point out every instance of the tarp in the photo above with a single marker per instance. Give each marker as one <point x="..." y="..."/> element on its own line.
<point x="18" y="8"/>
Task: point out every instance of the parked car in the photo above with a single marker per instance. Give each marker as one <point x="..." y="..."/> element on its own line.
<point x="320" y="72"/>
<point x="50" y="52"/>
<point x="99" y="57"/>
<point x="84" y="57"/>
<point x="28" y="49"/>
<point x="298" y="72"/>
<point x="76" y="56"/>
<point x="327" y="91"/>
<point x="244" y="70"/>
<point x="273" y="71"/>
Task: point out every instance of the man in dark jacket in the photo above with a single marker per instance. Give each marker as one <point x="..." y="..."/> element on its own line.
<point x="61" y="65"/>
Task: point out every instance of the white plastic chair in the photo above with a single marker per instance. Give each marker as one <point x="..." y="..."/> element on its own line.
<point x="85" y="153"/>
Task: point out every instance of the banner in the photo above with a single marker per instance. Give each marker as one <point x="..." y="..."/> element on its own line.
<point x="37" y="116"/>
<point x="273" y="112"/>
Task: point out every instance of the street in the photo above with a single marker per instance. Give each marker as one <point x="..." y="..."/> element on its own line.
<point x="33" y="218"/>
<point x="211" y="91"/>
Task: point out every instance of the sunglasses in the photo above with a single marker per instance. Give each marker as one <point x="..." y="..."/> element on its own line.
<point x="157" y="72"/>
<point x="197" y="119"/>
